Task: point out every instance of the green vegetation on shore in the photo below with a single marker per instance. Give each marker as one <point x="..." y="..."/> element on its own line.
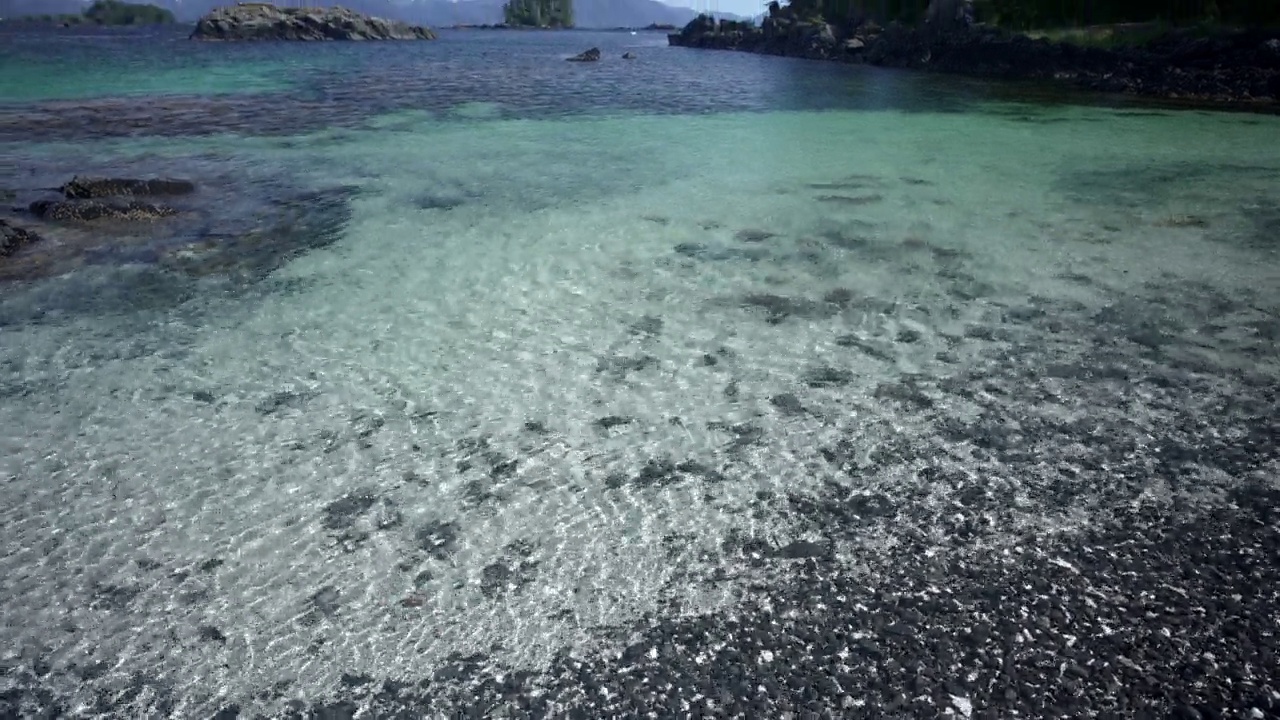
<point x="110" y="12"/>
<point x="1025" y="14"/>
<point x="538" y="13"/>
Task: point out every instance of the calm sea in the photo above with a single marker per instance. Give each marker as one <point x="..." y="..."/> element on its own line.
<point x="700" y="384"/>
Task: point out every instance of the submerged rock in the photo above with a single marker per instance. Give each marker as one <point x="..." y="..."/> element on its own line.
<point x="592" y="55"/>
<point x="263" y="21"/>
<point x="13" y="238"/>
<point x="111" y="223"/>
<point x="286" y="230"/>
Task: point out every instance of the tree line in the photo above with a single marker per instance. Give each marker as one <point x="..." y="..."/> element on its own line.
<point x="1023" y="14"/>
<point x="538" y="13"/>
<point x="112" y="12"/>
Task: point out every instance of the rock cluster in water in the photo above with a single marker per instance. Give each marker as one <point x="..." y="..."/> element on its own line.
<point x="590" y="55"/>
<point x="1240" y="67"/>
<point x="87" y="199"/>
<point x="263" y="21"/>
<point x="169" y="228"/>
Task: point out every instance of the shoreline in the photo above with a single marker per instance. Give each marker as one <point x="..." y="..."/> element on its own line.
<point x="1237" y="70"/>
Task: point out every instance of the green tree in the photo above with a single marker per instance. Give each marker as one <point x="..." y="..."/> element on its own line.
<point x="1023" y="14"/>
<point x="116" y="12"/>
<point x="538" y="13"/>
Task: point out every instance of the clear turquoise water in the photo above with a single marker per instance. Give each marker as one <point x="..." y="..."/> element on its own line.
<point x="531" y="241"/>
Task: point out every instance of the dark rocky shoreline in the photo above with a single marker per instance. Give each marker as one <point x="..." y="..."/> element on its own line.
<point x="1240" y="68"/>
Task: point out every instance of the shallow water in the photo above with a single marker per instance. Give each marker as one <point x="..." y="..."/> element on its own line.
<point x="589" y="349"/>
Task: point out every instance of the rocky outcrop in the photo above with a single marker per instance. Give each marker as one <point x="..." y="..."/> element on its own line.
<point x="592" y="55"/>
<point x="88" y="187"/>
<point x="1237" y="68"/>
<point x="263" y="21"/>
<point x="88" y="199"/>
<point x="92" y="210"/>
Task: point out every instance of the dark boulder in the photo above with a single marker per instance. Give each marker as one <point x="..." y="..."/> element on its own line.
<point x="86" y="188"/>
<point x="628" y="56"/>
<point x="592" y="55"/>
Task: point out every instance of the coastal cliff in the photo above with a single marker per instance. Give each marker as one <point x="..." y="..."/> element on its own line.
<point x="1240" y="67"/>
<point x="263" y="21"/>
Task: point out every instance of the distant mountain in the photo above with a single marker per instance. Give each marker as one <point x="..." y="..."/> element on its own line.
<point x="18" y="8"/>
<point x="587" y="13"/>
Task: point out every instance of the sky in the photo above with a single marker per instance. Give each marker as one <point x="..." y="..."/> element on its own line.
<point x="737" y="7"/>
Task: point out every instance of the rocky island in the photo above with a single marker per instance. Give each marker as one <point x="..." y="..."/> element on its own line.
<point x="264" y="21"/>
<point x="1238" y="67"/>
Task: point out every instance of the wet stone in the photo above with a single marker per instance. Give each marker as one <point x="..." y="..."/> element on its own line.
<point x="800" y="549"/>
<point x="113" y="597"/>
<point x="906" y="393"/>
<point x="980" y="332"/>
<point x="663" y="472"/>
<point x="209" y="633"/>
<point x="439" y="201"/>
<point x="326" y="600"/>
<point x="92" y="210"/>
<point x="503" y="469"/>
<point x="343" y="512"/>
<point x="850" y="200"/>
<point x="787" y="404"/>
<point x="826" y="377"/>
<point x="692" y="250"/>
<point x="839" y="296"/>
<point x="520" y="547"/>
<point x="438" y="539"/>
<point x="719" y="253"/>
<point x="502" y="577"/>
<point x="865" y="346"/>
<point x="744" y="434"/>
<point x="846" y="240"/>
<point x="753" y="236"/>
<point x="612" y="421"/>
<point x="285" y="399"/>
<point x="649" y="325"/>
<point x="619" y="366"/>
<point x="780" y="308"/>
